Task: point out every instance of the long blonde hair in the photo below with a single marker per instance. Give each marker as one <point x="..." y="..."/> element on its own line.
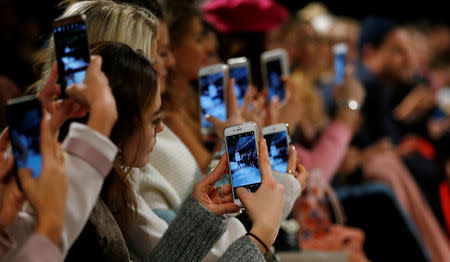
<point x="109" y="21"/>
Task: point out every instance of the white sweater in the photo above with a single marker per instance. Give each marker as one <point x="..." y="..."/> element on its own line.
<point x="167" y="181"/>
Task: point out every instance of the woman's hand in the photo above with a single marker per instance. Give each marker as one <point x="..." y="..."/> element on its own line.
<point x="265" y="206"/>
<point x="47" y="193"/>
<point x="210" y="197"/>
<point x="11" y="198"/>
<point x="95" y="92"/>
<point x="60" y="110"/>
<point x="296" y="169"/>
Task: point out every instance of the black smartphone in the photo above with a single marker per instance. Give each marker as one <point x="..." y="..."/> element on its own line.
<point x="24" y="117"/>
<point x="72" y="50"/>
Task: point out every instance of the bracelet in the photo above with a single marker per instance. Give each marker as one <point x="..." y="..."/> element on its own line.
<point x="259" y="240"/>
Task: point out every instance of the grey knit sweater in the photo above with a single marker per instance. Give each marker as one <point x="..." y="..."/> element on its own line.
<point x="193" y="233"/>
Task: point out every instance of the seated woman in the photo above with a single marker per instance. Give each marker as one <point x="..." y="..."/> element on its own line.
<point x="121" y="216"/>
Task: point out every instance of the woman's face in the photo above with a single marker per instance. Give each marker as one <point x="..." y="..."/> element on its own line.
<point x="165" y="59"/>
<point x="137" y="151"/>
<point x="190" y="53"/>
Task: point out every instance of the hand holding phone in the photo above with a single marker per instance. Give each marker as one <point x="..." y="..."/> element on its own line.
<point x="340" y="52"/>
<point x="219" y="203"/>
<point x="264" y="206"/>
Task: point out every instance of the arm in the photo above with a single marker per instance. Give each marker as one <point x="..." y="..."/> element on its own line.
<point x="292" y="191"/>
<point x="243" y="249"/>
<point x="329" y="151"/>
<point x="38" y="248"/>
<point x="190" y="236"/>
<point x="89" y="160"/>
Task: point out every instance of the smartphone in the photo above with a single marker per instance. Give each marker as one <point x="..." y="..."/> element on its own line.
<point x="274" y="64"/>
<point x="240" y="71"/>
<point x="24" y="117"/>
<point x="212" y="80"/>
<point x="241" y="143"/>
<point x="278" y="141"/>
<point x="340" y="52"/>
<point x="72" y="50"/>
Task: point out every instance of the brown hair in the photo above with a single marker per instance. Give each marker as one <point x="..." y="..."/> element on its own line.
<point x="133" y="82"/>
<point x="179" y="16"/>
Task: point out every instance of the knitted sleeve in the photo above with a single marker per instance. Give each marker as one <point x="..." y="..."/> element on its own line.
<point x="242" y="250"/>
<point x="190" y="236"/>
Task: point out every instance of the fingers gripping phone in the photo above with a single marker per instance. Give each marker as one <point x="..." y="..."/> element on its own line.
<point x="241" y="142"/>
<point x="339" y="51"/>
<point x="240" y="72"/>
<point x="72" y="50"/>
<point x="24" y="117"/>
<point x="274" y="64"/>
<point x="278" y="140"/>
<point x="213" y="80"/>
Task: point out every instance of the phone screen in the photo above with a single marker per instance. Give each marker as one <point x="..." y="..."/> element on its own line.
<point x="278" y="150"/>
<point x="243" y="160"/>
<point x="240" y="75"/>
<point x="212" y="97"/>
<point x="276" y="86"/>
<point x="72" y="52"/>
<point x="339" y="68"/>
<point x="25" y="132"/>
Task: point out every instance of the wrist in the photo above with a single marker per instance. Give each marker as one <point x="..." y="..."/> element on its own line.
<point x="266" y="234"/>
<point x="50" y="227"/>
<point x="102" y="117"/>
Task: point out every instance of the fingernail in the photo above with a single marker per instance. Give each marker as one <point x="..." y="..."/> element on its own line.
<point x="293" y="147"/>
<point x="207" y="115"/>
<point x="48" y="116"/>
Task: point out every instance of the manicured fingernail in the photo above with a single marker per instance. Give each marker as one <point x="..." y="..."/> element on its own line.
<point x="207" y="115"/>
<point x="48" y="116"/>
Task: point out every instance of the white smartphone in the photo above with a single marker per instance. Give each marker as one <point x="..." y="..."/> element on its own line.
<point x="340" y="52"/>
<point x="241" y="143"/>
<point x="278" y="141"/>
<point x="240" y="71"/>
<point x="274" y="64"/>
<point x="212" y="82"/>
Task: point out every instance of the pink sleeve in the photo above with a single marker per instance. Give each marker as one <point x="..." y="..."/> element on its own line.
<point x="328" y="152"/>
<point x="38" y="249"/>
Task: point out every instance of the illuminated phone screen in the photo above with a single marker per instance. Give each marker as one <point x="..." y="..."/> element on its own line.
<point x="212" y="97"/>
<point x="274" y="73"/>
<point x="243" y="160"/>
<point x="240" y="75"/>
<point x="24" y="121"/>
<point x="278" y="150"/>
<point x="72" y="52"/>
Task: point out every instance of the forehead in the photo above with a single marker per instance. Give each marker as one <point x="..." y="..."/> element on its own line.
<point x="398" y="37"/>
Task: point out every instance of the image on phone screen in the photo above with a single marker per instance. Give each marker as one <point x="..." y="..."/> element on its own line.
<point x="276" y="86"/>
<point x="339" y="68"/>
<point x="278" y="151"/>
<point x="72" y="52"/>
<point x="243" y="159"/>
<point x="212" y="97"/>
<point x="240" y="75"/>
<point x="25" y="133"/>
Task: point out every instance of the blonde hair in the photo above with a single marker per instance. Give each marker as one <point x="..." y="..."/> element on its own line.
<point x="109" y="21"/>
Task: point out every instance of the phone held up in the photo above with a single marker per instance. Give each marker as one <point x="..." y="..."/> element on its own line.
<point x="274" y="65"/>
<point x="240" y="72"/>
<point x="72" y="50"/>
<point x="212" y="82"/>
<point x="340" y="52"/>
<point x="24" y="117"/>
<point x="278" y="141"/>
<point x="241" y="143"/>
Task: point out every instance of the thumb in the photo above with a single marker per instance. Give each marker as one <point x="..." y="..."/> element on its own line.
<point x="214" y="121"/>
<point x="95" y="64"/>
<point x="243" y="195"/>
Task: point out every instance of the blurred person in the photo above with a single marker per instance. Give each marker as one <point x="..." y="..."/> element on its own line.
<point x="211" y="43"/>
<point x="439" y="39"/>
<point x="8" y="90"/>
<point x="345" y="29"/>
